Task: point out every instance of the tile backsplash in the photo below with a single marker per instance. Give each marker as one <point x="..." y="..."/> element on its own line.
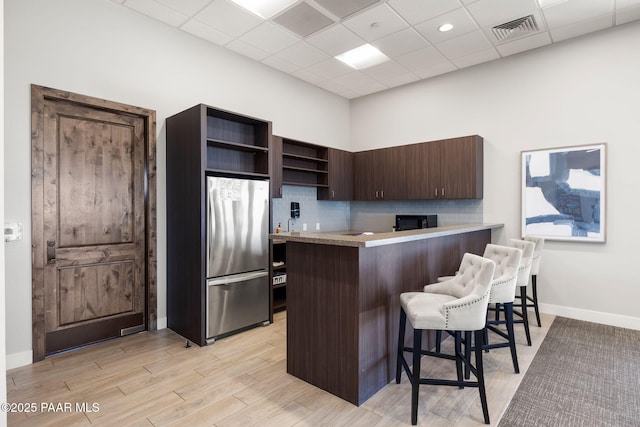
<point x="332" y="216"/>
<point x="378" y="216"/>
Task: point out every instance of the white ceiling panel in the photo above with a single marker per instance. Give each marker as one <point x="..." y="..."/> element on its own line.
<point x="459" y="18"/>
<point x="464" y="45"/>
<point x="416" y="11"/>
<point x="157" y="11"/>
<point x="280" y="64"/>
<point x="527" y="43"/>
<point x="330" y="68"/>
<point x="476" y="58"/>
<point x="488" y="13"/>
<point x="335" y="40"/>
<point x="186" y="7"/>
<point x="247" y="50"/>
<point x="581" y="28"/>
<point x="405" y="41"/>
<point x="376" y="23"/>
<point x="269" y="37"/>
<point x="573" y="11"/>
<point x="225" y="16"/>
<point x="436" y="70"/>
<point x="422" y="58"/>
<point x="294" y="42"/>
<point x="302" y="54"/>
<point x="203" y="31"/>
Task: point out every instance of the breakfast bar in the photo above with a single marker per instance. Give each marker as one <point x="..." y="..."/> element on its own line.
<point x="343" y="299"/>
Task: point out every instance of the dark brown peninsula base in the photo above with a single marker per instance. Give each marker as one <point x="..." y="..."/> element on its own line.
<point x="343" y="306"/>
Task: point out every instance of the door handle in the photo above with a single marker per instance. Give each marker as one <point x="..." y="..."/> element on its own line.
<point x="51" y="251"/>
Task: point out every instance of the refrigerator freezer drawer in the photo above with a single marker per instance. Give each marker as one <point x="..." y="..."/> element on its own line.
<point x="235" y="302"/>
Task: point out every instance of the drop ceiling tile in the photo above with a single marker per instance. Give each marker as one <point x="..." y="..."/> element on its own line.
<point x="488" y="13"/>
<point x="469" y="1"/>
<point x="628" y="14"/>
<point x="422" y="58"/>
<point x="459" y="18"/>
<point x="623" y="4"/>
<point x="157" y="11"/>
<point x="399" y="43"/>
<point x="349" y="94"/>
<point x="187" y="7"/>
<point x="335" y="40"/>
<point x="416" y="11"/>
<point x="331" y="86"/>
<point x="354" y="80"/>
<point x="369" y="89"/>
<point x="118" y="1"/>
<point x="270" y="38"/>
<point x="375" y="23"/>
<point x="344" y="8"/>
<point x="203" y="31"/>
<point x="527" y="43"/>
<point x="463" y="45"/>
<point x="435" y="70"/>
<point x="227" y="17"/>
<point x="302" y="54"/>
<point x="581" y="28"/>
<point x="308" y="76"/>
<point x="400" y="79"/>
<point x="330" y="68"/>
<point x="385" y="70"/>
<point x="247" y="50"/>
<point x="571" y="12"/>
<point x="476" y="58"/>
<point x="280" y="64"/>
<point x="303" y="20"/>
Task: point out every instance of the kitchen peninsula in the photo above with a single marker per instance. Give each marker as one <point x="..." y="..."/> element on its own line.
<point x="343" y="299"/>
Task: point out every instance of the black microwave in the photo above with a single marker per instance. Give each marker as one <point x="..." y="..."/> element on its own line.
<point x="413" y="222"/>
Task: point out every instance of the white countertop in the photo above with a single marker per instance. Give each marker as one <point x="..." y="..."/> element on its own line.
<point x="346" y="238"/>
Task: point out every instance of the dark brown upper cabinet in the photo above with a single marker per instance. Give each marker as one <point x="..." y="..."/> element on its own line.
<point x="340" y="176"/>
<point x="444" y="169"/>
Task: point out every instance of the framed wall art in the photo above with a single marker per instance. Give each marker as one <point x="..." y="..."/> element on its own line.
<point x="564" y="193"/>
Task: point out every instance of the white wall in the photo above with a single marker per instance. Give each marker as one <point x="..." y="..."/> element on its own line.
<point x="101" y="49"/>
<point x="581" y="91"/>
<point x="3" y="358"/>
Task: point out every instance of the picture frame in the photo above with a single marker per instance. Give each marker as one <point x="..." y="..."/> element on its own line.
<point x="564" y="193"/>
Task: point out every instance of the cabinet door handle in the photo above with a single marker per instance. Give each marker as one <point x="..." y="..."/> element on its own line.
<point x="280" y="189"/>
<point x="382" y="194"/>
<point x="333" y="194"/>
<point x="442" y="191"/>
<point x="377" y="192"/>
<point x="435" y="192"/>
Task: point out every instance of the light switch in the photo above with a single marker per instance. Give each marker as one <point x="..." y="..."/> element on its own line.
<point x="12" y="231"/>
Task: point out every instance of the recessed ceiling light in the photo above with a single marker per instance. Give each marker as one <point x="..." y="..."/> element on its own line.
<point x="445" y="27"/>
<point x="363" y="57"/>
<point x="265" y="9"/>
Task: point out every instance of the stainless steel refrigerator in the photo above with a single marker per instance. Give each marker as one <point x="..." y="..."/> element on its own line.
<point x="237" y="254"/>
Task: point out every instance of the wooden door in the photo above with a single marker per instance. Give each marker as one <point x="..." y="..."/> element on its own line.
<point x="93" y="244"/>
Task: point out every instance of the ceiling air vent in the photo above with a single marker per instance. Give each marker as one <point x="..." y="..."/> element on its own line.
<point x="516" y="28"/>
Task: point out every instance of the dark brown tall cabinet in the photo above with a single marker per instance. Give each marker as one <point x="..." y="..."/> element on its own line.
<point x="340" y="178"/>
<point x="200" y="141"/>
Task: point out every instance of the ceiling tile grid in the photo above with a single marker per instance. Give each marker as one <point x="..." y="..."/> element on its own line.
<point x="303" y="38"/>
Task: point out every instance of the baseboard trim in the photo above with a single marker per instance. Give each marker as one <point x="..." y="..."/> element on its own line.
<point x="16" y="360"/>
<point x="592" y="316"/>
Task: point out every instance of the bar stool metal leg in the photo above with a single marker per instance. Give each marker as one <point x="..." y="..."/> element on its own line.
<point x="534" y="290"/>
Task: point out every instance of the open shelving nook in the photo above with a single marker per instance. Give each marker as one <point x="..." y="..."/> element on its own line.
<point x="237" y="144"/>
<point x="279" y="275"/>
<point x="304" y="164"/>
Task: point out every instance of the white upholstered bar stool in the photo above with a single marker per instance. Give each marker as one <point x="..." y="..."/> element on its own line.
<point x="523" y="280"/>
<point x="503" y="291"/>
<point x="535" y="268"/>
<point x="460" y="306"/>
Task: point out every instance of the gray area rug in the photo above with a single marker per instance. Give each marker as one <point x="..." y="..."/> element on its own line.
<point x="584" y="374"/>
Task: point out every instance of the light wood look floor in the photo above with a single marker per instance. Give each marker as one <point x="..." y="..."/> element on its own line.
<point x="152" y="379"/>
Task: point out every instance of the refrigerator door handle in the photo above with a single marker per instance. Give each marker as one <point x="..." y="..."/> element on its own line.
<point x="236" y="278"/>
